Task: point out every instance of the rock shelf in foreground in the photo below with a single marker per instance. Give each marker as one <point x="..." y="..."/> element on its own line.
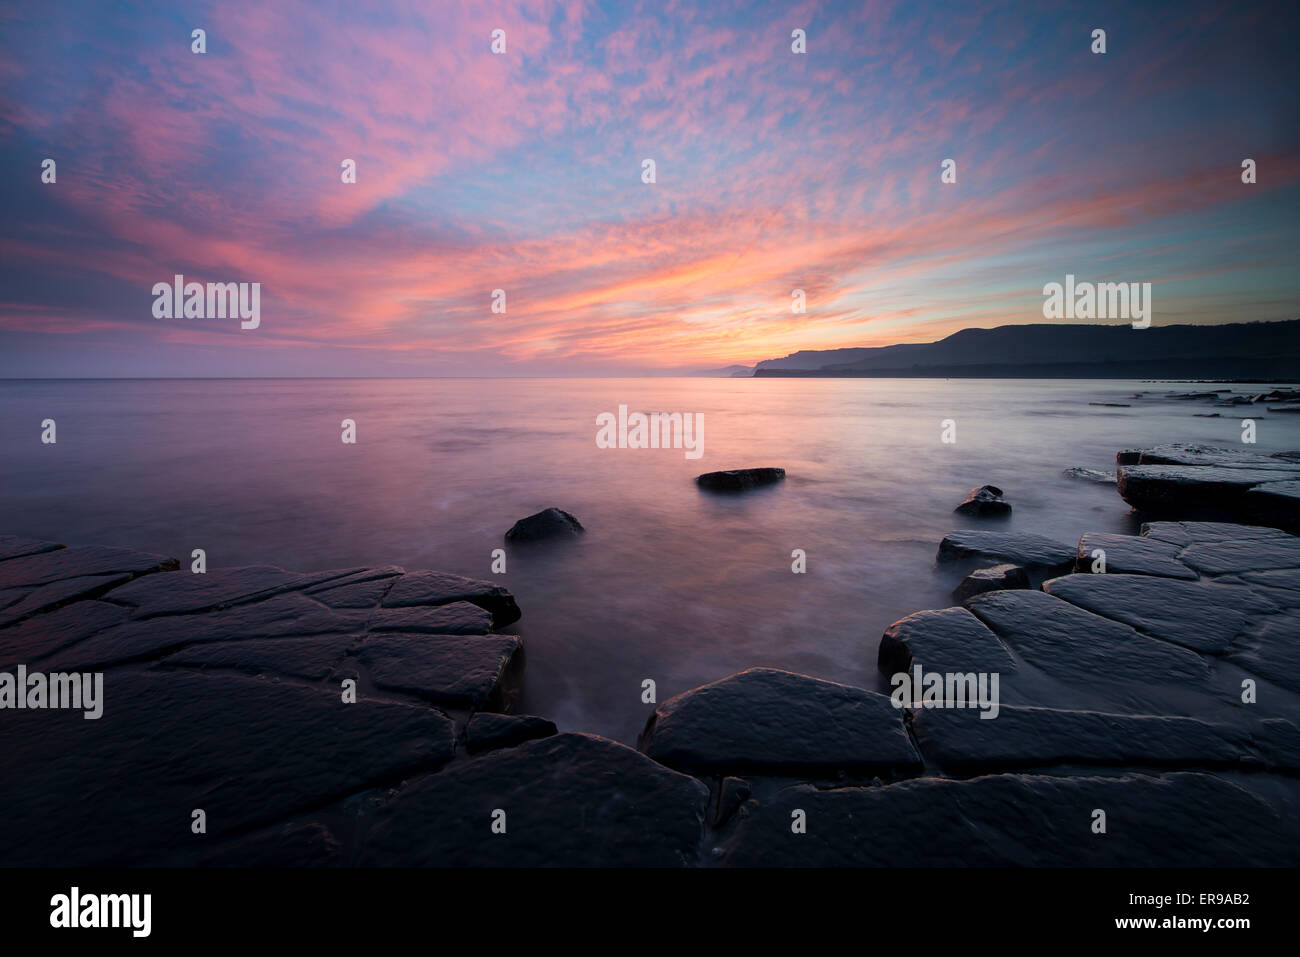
<point x="1119" y="690"/>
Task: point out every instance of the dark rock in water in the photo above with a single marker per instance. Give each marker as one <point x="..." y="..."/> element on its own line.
<point x="1128" y="456"/>
<point x="1205" y="415"/>
<point x="1174" y="820"/>
<point x="486" y="732"/>
<point x="1284" y="408"/>
<point x="991" y="579"/>
<point x="571" y="800"/>
<point x="737" y="480"/>
<point x="1090" y="475"/>
<point x="984" y="501"/>
<point x="1112" y="405"/>
<point x="46" y="566"/>
<point x="769" y="720"/>
<point x="1031" y="551"/>
<point x="1190" y="490"/>
<point x="732" y="793"/>
<point x="548" y="523"/>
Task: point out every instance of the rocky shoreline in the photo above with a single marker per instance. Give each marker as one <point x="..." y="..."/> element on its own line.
<point x="1163" y="691"/>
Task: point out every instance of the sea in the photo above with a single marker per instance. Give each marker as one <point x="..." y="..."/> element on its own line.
<point x="669" y="584"/>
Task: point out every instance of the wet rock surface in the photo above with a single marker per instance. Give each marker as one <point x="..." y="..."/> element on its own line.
<point x="738" y="480"/>
<point x="550" y="523"/>
<point x="995" y="578"/>
<point x="1192" y="480"/>
<point x="984" y="502"/>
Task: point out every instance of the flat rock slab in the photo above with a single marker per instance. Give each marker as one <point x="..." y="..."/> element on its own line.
<point x="51" y="596"/>
<point x="121" y="789"/>
<point x="1099" y="664"/>
<point x="991" y="579"/>
<point x="78" y="562"/>
<point x="1025" y="550"/>
<point x="1213" y="489"/>
<point x="1249" y="555"/>
<point x="284" y="616"/>
<point x="777" y="721"/>
<point x="437" y="588"/>
<point x="571" y="800"/>
<point x="1203" y="455"/>
<point x="458" y="618"/>
<point x="37" y="637"/>
<point x="12" y="546"/>
<point x="739" y="480"/>
<point x="312" y="659"/>
<point x="1198" y="615"/>
<point x="1187" y="533"/>
<point x="985" y="501"/>
<point x="951" y="640"/>
<point x="183" y="592"/>
<point x="1170" y="820"/>
<point x="1021" y="738"/>
<point x="1271" y="649"/>
<point x="486" y="732"/>
<point x="1132" y="554"/>
<point x="453" y="670"/>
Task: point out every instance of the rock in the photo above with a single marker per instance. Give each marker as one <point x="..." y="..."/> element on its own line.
<point x="1090" y="475"/>
<point x="1096" y="664"/>
<point x="56" y="594"/>
<point x="37" y="637"/>
<point x="1268" y="648"/>
<point x="458" y="618"/>
<point x="452" y="670"/>
<point x="186" y="593"/>
<point x="1021" y="738"/>
<point x="1189" y="490"/>
<point x="438" y="588"/>
<point x="11" y="546"/>
<point x="1273" y="503"/>
<point x="1132" y="554"/>
<point x="1201" y="616"/>
<point x="1242" y="555"/>
<point x="732" y="793"/>
<point x="984" y="501"/>
<point x="571" y="800"/>
<point x="1128" y="457"/>
<point x="1112" y="405"/>
<point x="737" y="480"/>
<point x="951" y="640"/>
<point x="991" y="579"/>
<point x="769" y="720"/>
<point x="248" y="752"/>
<point x="312" y="659"/>
<point x="548" y="523"/>
<point x="1031" y="551"/>
<point x="1210" y="455"/>
<point x="1021" y="820"/>
<point x="52" y="565"/>
<point x="294" y="845"/>
<point x="486" y="732"/>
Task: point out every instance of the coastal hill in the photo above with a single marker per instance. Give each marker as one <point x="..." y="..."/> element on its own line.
<point x="1266" y="350"/>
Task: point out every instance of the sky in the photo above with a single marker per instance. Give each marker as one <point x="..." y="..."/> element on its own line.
<point x="522" y="171"/>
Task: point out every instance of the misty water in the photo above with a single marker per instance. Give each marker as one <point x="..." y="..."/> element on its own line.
<point x="669" y="582"/>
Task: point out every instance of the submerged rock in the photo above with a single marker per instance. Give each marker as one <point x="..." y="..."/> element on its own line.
<point x="991" y="579"/>
<point x="737" y="480"/>
<point x="548" y="523"/>
<point x="984" y="501"/>
<point x="1090" y="475"/>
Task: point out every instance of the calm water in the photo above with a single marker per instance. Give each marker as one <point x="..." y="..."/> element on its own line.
<point x="669" y="583"/>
